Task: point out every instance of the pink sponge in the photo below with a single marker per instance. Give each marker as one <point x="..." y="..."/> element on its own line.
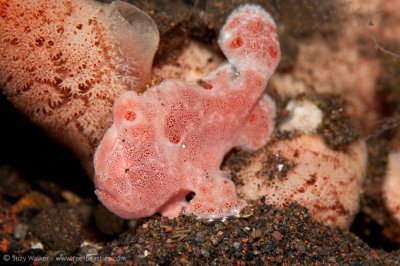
<point x="171" y="140"/>
<point x="391" y="185"/>
<point x="327" y="182"/>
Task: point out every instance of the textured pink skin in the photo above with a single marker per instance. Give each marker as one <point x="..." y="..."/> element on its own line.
<point x="171" y="140"/>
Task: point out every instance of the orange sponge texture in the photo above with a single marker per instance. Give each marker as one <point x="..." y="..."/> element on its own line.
<point x="60" y="64"/>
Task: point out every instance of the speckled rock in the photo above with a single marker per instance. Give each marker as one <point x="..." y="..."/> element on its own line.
<point x="59" y="227"/>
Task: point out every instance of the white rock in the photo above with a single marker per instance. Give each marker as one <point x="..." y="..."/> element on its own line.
<point x="304" y="116"/>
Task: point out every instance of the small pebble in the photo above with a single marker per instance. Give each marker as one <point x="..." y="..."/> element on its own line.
<point x="36" y="245"/>
<point x="20" y="231"/>
<point x="90" y="249"/>
<point x="71" y="197"/>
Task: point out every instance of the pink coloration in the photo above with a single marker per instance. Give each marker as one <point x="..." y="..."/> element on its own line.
<point x="171" y="140"/>
<point x="64" y="62"/>
<point x="391" y="185"/>
<point x="325" y="181"/>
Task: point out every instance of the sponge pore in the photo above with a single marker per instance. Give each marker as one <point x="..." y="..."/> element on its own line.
<point x="64" y="62"/>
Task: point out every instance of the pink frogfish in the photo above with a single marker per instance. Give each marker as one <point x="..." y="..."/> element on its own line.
<point x="170" y="141"/>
